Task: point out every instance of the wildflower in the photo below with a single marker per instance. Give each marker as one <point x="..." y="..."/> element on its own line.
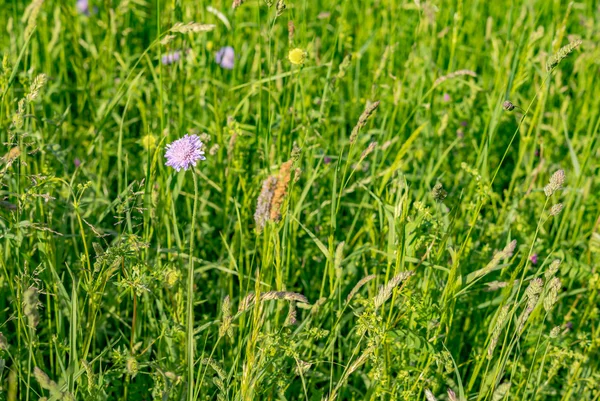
<point x="77" y="162"/>
<point x="83" y="7"/>
<point x="534" y="259"/>
<point x="148" y="142"/>
<point x="446" y="97"/>
<point x="297" y="56"/>
<point x="225" y="57"/>
<point x="185" y="152"/>
<point x="508" y="106"/>
<point x="171" y="57"/>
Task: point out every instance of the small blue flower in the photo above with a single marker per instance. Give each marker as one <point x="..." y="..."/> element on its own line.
<point x="226" y="57"/>
<point x="83" y="7"/>
<point x="185" y="152"/>
<point x="170" y="58"/>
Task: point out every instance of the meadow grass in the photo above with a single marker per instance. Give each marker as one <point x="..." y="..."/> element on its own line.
<point x="400" y="200"/>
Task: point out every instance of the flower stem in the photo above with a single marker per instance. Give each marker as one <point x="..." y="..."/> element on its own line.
<point x="190" y="299"/>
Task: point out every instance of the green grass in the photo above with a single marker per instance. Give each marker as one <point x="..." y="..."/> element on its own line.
<point x="98" y="236"/>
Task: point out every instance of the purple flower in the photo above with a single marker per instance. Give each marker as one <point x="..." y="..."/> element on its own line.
<point x="226" y="57"/>
<point x="77" y="162"/>
<point x="83" y="7"/>
<point x="534" y="258"/>
<point x="446" y="97"/>
<point x="185" y="152"/>
<point x="327" y="160"/>
<point x="170" y="58"/>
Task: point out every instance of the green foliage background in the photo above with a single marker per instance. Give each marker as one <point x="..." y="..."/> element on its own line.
<point x="95" y="230"/>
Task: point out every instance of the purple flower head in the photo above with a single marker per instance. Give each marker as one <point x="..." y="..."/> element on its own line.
<point x="170" y="58"/>
<point x="77" y="162"/>
<point x="226" y="57"/>
<point x="534" y="259"/>
<point x="185" y="152"/>
<point x="83" y="7"/>
<point x="446" y="97"/>
<point x="327" y="160"/>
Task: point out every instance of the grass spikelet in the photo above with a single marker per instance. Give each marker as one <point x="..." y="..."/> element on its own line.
<point x="363" y="119"/>
<point x="501" y="392"/>
<point x="552" y="269"/>
<point x="553" y="287"/>
<point x="429" y="395"/>
<point x="368" y="150"/>
<point x="263" y="204"/>
<point x="3" y="343"/>
<point x="246" y="302"/>
<point x="500" y="321"/>
<point x="358" y="286"/>
<point x="30" y="16"/>
<point x="35" y="87"/>
<point x="453" y="75"/>
<point x="506" y="253"/>
<point x="385" y="292"/>
<point x="291" y="318"/>
<point x="191" y="27"/>
<point x="339" y="256"/>
<point x="534" y="288"/>
<point x="226" y="328"/>
<point x="280" y="190"/>
<point x="90" y="376"/>
<point x="438" y="193"/>
<point x="216" y="367"/>
<point x="452" y="395"/>
<point x="556" y="183"/>
<point x="43" y="380"/>
<point x="556" y="209"/>
<point x="562" y="53"/>
<point x="30" y="306"/>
